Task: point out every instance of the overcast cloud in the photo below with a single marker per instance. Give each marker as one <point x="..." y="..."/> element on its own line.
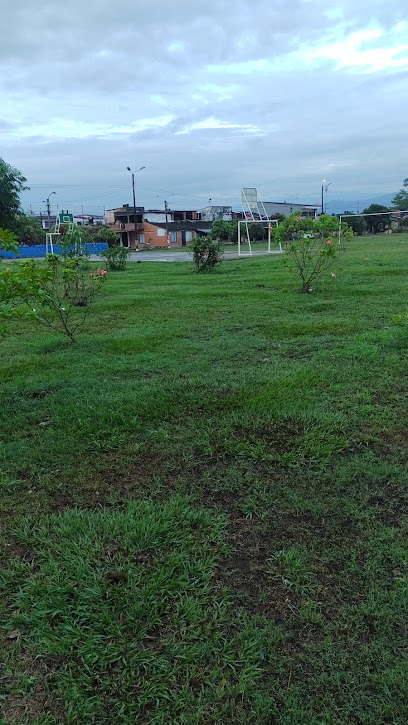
<point x="208" y="95"/>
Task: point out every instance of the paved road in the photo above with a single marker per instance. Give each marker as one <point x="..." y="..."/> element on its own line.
<point x="181" y="256"/>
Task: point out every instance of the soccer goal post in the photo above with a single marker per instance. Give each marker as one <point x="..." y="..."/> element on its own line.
<point x="267" y="224"/>
<point x="391" y="223"/>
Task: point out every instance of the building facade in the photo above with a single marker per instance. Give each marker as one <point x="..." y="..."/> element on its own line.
<point x="155" y="227"/>
<point x="212" y="213"/>
<point x="288" y="208"/>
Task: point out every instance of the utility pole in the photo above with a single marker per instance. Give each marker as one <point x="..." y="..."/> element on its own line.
<point x="47" y="201"/>
<point x="134" y="201"/>
<point x="166" y="211"/>
<point x="167" y="224"/>
<point x="323" y="182"/>
<point x="134" y="210"/>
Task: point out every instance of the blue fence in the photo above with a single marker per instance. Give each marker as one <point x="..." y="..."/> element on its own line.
<point x="38" y="250"/>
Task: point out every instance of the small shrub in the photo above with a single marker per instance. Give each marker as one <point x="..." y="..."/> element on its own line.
<point x="57" y="295"/>
<point x="311" y="246"/>
<point x="116" y="257"/>
<point x="207" y="253"/>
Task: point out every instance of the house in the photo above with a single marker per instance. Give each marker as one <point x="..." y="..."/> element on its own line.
<point x="212" y="213"/>
<point x="181" y="225"/>
<point x="122" y="221"/>
<point x="180" y="233"/>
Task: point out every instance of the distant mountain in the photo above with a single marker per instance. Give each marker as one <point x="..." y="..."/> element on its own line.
<point x="356" y="205"/>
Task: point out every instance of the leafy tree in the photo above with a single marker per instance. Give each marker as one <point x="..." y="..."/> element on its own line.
<point x="233" y="231"/>
<point x="257" y="232"/>
<point x="71" y="242"/>
<point x="8" y="241"/>
<point x="400" y="200"/>
<point x="355" y="222"/>
<point x="221" y="230"/>
<point x="99" y="233"/>
<point x="28" y="230"/>
<point x="12" y="183"/>
<point x="376" y="224"/>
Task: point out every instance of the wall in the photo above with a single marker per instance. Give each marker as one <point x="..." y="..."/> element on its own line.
<point x="156" y="236"/>
<point x="211" y="213"/>
<point x="39" y="250"/>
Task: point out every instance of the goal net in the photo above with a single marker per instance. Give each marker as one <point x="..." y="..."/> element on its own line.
<point x="254" y="213"/>
<point x="383" y="222"/>
<point x="246" y="227"/>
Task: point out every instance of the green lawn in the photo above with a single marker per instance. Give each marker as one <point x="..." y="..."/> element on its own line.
<point x="204" y="501"/>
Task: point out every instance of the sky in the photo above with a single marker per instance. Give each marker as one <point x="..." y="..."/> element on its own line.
<point x="208" y="96"/>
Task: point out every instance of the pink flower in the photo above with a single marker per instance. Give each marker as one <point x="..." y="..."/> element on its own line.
<point x="90" y="274"/>
<point x="298" y="218"/>
<point x="329" y="242"/>
<point x="101" y="272"/>
<point x="333" y="275"/>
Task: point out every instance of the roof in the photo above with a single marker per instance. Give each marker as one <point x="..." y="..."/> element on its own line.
<point x="184" y="226"/>
<point x="127" y="209"/>
<point x="290" y="203"/>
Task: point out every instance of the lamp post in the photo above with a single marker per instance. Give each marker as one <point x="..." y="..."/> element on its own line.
<point x="134" y="199"/>
<point x="292" y="202"/>
<point x="47" y="202"/>
<point x="324" y="189"/>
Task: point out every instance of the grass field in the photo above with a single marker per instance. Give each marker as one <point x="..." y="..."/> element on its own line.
<point x="204" y="501"/>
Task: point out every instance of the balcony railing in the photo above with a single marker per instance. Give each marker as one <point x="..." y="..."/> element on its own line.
<point x="126" y="227"/>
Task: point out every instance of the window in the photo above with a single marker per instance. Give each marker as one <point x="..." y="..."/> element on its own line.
<point x="189" y="236"/>
<point x="160" y="232"/>
<point x="174" y="237"/>
<point x="141" y="238"/>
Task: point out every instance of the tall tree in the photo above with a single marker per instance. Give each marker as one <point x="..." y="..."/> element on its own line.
<point x="400" y="200"/>
<point x="355" y="222"/>
<point x="12" y="183"/>
<point x="378" y="223"/>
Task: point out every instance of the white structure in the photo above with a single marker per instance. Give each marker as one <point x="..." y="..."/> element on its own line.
<point x="254" y="211"/>
<point x="63" y="217"/>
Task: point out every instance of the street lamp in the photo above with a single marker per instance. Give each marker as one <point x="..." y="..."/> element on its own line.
<point x="291" y="203"/>
<point x="325" y="188"/>
<point x="134" y="199"/>
<point x="166" y="210"/>
<point x="47" y="202"/>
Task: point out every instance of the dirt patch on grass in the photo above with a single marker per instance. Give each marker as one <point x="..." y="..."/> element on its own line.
<point x="247" y="574"/>
<point x="391" y="506"/>
<point x="20" y="707"/>
<point x="282" y="436"/>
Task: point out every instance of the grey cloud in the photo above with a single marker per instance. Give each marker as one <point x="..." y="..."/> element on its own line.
<point x="110" y="63"/>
